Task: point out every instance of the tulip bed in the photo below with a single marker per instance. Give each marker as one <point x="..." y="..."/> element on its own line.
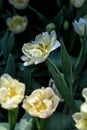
<point x="43" y="65"/>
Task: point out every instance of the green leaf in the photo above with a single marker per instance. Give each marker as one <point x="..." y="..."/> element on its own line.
<point x="10" y="67"/>
<point x="61" y="85"/>
<point x="3" y="128"/>
<point x="60" y="121"/>
<point x="66" y="65"/>
<point x="3" y="42"/>
<point x="81" y="59"/>
<point x="9" y="45"/>
<point x="83" y="80"/>
<point x="25" y="125"/>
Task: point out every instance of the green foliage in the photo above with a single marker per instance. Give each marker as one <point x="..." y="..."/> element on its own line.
<point x="60" y="121"/>
<point x="67" y="65"/>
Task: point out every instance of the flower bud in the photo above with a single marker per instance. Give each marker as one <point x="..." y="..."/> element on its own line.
<point x="50" y="27"/>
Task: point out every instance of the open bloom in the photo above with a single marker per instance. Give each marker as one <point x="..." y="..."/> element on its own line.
<point x="11" y="92"/>
<point x="80" y="118"/>
<point x="41" y="103"/>
<point x="37" y="51"/>
<point x="79" y="26"/>
<point x="77" y="3"/>
<point x="17" y="23"/>
<point x="19" y="4"/>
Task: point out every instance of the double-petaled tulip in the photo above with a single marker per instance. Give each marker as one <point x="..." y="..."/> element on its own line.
<point x="11" y="92"/>
<point x="37" y="51"/>
<point x="19" y="4"/>
<point x="80" y="26"/>
<point x="17" y="23"/>
<point x="77" y="3"/>
<point x="41" y="103"/>
<point x="80" y="118"/>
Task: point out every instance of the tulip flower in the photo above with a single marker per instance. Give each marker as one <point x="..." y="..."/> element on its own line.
<point x="11" y="92"/>
<point x="37" y="51"/>
<point x="41" y="103"/>
<point x="79" y="26"/>
<point x="19" y="4"/>
<point x="77" y="3"/>
<point x="17" y="23"/>
<point x="80" y="118"/>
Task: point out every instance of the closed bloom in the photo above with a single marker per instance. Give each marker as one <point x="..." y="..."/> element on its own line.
<point x="77" y="3"/>
<point x="79" y="26"/>
<point x="41" y="103"/>
<point x="19" y="4"/>
<point x="17" y="23"/>
<point x="11" y="92"/>
<point x="37" y="51"/>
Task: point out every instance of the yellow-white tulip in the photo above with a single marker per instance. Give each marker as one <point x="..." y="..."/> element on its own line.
<point x="37" y="51"/>
<point x="77" y="3"/>
<point x="19" y="4"/>
<point x="41" y="103"/>
<point x="11" y="92"/>
<point x="80" y="118"/>
<point x="17" y="23"/>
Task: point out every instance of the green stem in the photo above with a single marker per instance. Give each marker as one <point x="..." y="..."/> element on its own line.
<point x="37" y="123"/>
<point x="11" y="122"/>
<point x="12" y="118"/>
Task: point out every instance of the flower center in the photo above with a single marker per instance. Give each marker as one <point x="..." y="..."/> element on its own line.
<point x="11" y="92"/>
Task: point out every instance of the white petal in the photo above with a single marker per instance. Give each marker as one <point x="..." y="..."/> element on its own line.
<point x="40" y="60"/>
<point x="24" y="58"/>
<point x="56" y="45"/>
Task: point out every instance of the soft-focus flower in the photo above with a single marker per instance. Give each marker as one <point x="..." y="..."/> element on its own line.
<point x="11" y="92"/>
<point x="77" y="3"/>
<point x="41" y="103"/>
<point x="80" y="118"/>
<point x="19" y="4"/>
<point x="37" y="51"/>
<point x="79" y="26"/>
<point x="17" y="23"/>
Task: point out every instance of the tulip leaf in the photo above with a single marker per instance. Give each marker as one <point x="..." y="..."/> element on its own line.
<point x="9" y="45"/>
<point x="81" y="59"/>
<point x="61" y="85"/>
<point x="3" y="126"/>
<point x="10" y="67"/>
<point x="59" y="121"/>
<point x="3" y="41"/>
<point x="66" y="64"/>
<point x="25" y="125"/>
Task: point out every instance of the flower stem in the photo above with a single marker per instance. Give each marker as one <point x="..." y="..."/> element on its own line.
<point x="37" y="123"/>
<point x="12" y="118"/>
